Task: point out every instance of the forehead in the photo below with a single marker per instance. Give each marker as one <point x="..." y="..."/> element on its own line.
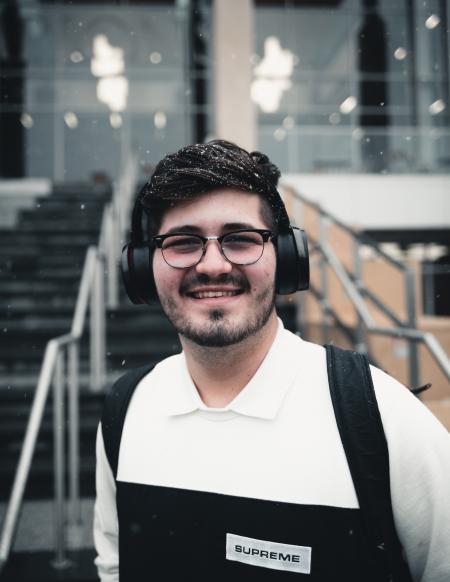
<point x="210" y="212"/>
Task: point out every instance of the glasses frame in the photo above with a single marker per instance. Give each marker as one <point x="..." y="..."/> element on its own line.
<point x="266" y="235"/>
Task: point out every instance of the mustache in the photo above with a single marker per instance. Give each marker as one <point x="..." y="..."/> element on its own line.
<point x="196" y="280"/>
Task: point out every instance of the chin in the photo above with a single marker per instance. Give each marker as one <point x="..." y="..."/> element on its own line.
<point x="219" y="326"/>
<point x="219" y="332"/>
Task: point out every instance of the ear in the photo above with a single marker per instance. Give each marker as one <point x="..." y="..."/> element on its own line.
<point x="292" y="261"/>
<point x="137" y="273"/>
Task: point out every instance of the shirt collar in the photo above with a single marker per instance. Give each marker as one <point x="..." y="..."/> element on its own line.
<point x="260" y="398"/>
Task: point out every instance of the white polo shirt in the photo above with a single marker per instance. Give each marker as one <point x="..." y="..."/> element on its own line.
<point x="278" y="441"/>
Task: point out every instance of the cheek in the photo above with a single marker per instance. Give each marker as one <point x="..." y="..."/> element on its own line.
<point x="156" y="269"/>
<point x="270" y="264"/>
<point x="265" y="274"/>
<point x="165" y="277"/>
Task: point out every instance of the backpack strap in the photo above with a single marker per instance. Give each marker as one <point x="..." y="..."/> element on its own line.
<point x="114" y="412"/>
<point x="361" y="431"/>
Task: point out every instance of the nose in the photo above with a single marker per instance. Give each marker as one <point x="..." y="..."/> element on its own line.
<point x="213" y="263"/>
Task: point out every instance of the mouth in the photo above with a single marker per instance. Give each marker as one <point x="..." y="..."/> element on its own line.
<point x="214" y="293"/>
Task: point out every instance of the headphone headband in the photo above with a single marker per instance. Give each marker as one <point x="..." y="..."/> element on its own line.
<point x="273" y="198"/>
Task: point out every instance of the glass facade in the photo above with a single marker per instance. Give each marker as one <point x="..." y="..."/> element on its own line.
<point x="368" y="88"/>
<point x="99" y="81"/>
<point x="339" y="85"/>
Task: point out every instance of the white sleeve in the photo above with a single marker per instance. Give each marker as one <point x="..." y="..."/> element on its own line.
<point x="419" y="459"/>
<point x="106" y="528"/>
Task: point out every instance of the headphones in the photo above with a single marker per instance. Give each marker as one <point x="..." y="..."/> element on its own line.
<point x="291" y="248"/>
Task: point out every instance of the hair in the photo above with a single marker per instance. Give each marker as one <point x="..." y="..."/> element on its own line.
<point x="200" y="168"/>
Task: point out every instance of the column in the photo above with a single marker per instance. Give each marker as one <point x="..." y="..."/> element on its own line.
<point x="235" y="116"/>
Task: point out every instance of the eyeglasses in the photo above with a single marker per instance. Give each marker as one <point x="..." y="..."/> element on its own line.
<point x="240" y="247"/>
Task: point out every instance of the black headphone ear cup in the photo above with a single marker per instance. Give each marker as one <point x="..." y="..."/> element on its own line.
<point x="137" y="273"/>
<point x="292" y="262"/>
<point x="301" y="242"/>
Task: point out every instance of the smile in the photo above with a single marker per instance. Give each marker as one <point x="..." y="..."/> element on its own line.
<point x="212" y="294"/>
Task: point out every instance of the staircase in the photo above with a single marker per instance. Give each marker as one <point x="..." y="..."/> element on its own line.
<point x="41" y="261"/>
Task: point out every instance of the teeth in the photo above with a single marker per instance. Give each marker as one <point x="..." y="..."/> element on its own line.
<point x="210" y="294"/>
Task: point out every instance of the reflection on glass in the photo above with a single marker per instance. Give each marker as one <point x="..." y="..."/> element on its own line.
<point x="71" y="120"/>
<point x="272" y="75"/>
<point x="160" y="120"/>
<point x="432" y="21"/>
<point x="26" y="120"/>
<point x="437" y="107"/>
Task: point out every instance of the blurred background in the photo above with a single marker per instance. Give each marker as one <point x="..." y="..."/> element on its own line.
<point x="350" y="98"/>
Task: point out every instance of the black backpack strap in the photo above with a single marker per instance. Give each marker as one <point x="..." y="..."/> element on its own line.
<point x="361" y="431"/>
<point x="114" y="412"/>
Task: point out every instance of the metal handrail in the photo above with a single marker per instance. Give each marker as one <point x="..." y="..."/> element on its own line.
<point x="90" y="294"/>
<point x="355" y="291"/>
<point x="357" y="300"/>
<point x="362" y="237"/>
<point x="47" y="373"/>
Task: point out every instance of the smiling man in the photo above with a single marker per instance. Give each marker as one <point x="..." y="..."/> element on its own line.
<point x="208" y="301"/>
<point x="225" y="462"/>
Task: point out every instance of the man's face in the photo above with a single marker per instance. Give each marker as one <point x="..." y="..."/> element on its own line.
<point x="220" y="320"/>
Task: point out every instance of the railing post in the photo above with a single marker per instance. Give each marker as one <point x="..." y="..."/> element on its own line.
<point x="120" y="205"/>
<point x="297" y="215"/>
<point x="112" y="254"/>
<point x="23" y="467"/>
<point x="60" y="560"/>
<point x="324" y="281"/>
<point x="74" y="443"/>
<point x="410" y="292"/>
<point x="361" y="338"/>
<point x="97" y="321"/>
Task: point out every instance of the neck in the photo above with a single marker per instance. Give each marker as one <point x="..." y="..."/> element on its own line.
<point x="221" y="373"/>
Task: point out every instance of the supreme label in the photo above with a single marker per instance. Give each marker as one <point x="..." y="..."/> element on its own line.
<point x="268" y="554"/>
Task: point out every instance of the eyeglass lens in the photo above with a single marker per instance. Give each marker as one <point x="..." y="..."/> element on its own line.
<point x="241" y="248"/>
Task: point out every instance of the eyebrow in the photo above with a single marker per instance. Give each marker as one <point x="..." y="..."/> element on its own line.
<point x="192" y="229"/>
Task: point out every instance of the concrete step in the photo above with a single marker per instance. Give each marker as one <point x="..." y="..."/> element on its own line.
<point x="20" y="268"/>
<point x="40" y="481"/>
<point x="41" y="279"/>
<point x="86" y="226"/>
<point x="31" y="559"/>
<point x="81" y="190"/>
<point x="14" y="414"/>
<point x="59" y="213"/>
<point x="88" y="203"/>
<point x="57" y="322"/>
<point x="29" y="327"/>
<point x="35" y="528"/>
<point x="37" y="567"/>
<point x="150" y="315"/>
<point x="13" y="431"/>
<point x="34" y="259"/>
<point x="41" y="313"/>
<point x="69" y="272"/>
<point x="30" y="349"/>
<point x="27" y="358"/>
<point x="29" y="302"/>
<point x="25" y="383"/>
<point x="77" y="257"/>
<point x="29" y="239"/>
<point x="124" y="313"/>
<point x="13" y="292"/>
<point x="47" y="319"/>
<point x="10" y="253"/>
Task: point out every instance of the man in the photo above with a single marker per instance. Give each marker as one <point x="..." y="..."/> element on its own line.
<point x="231" y="465"/>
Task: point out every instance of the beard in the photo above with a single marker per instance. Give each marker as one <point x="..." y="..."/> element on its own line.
<point x="219" y="330"/>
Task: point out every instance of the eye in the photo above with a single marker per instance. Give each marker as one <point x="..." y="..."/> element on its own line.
<point x="242" y="239"/>
<point x="181" y="244"/>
